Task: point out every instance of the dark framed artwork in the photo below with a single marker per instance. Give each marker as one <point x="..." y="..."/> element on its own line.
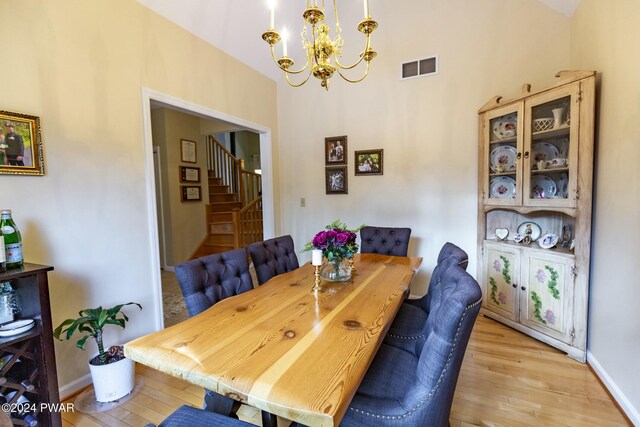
<point x="20" y="144"/>
<point x="368" y="162"/>
<point x="189" y="174"/>
<point x="336" y="180"/>
<point x="191" y="193"/>
<point x="335" y="150"/>
<point x="188" y="151"/>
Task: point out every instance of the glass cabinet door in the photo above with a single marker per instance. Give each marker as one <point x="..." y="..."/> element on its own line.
<point x="502" y="156"/>
<point x="550" y="153"/>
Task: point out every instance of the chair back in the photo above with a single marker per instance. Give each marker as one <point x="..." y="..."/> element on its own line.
<point x="453" y="311"/>
<point x="273" y="257"/>
<point x="451" y="250"/>
<point x="385" y="240"/>
<point x="209" y="279"/>
<point x="449" y="255"/>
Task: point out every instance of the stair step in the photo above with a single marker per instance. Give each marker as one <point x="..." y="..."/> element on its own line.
<point x="220" y="217"/>
<point x="213" y="180"/>
<point x="225" y="206"/>
<point x="218" y="189"/>
<point x="226" y="197"/>
<point x="221" y="239"/>
<point x="218" y="248"/>
<point x="221" y="227"/>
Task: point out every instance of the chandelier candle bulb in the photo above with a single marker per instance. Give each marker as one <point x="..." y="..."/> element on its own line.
<point x="272" y="12"/>
<point x="285" y="37"/>
<point x="316" y="257"/>
<point x="366" y="9"/>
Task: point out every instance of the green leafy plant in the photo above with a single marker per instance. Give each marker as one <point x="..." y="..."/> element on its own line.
<point x="553" y="282"/>
<point x="90" y="322"/>
<point x="494" y="290"/>
<point x="505" y="270"/>
<point x="537" y="307"/>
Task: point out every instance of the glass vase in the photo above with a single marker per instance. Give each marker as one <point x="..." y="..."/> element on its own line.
<point x="336" y="271"/>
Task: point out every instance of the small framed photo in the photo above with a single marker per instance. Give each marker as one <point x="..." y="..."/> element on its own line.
<point x="368" y="162"/>
<point x="189" y="174"/>
<point x="335" y="149"/>
<point x="20" y="144"/>
<point x="336" y="180"/>
<point x="188" y="151"/>
<point x="191" y="193"/>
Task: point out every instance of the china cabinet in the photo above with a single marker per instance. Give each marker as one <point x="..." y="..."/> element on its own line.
<point x="33" y="348"/>
<point x="535" y="185"/>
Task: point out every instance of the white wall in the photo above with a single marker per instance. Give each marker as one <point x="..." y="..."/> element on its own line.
<point x="606" y="37"/>
<point x="80" y="66"/>
<point x="426" y="126"/>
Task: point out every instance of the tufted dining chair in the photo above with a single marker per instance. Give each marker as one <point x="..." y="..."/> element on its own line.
<point x="385" y="240"/>
<point x="205" y="281"/>
<point x="187" y="416"/>
<point x="273" y="257"/>
<point x="405" y="389"/>
<point x="407" y="330"/>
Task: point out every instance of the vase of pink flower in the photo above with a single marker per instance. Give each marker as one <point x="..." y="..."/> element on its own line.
<point x="338" y="245"/>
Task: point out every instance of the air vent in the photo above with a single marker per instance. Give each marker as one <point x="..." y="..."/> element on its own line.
<point x="419" y="68"/>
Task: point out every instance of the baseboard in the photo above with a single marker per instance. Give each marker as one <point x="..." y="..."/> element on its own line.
<point x="74" y="387"/>
<point x="624" y="403"/>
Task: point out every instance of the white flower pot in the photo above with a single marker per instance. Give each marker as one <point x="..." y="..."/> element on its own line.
<point x="112" y="381"/>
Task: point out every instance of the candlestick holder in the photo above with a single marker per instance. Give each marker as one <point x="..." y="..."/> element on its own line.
<point x="352" y="265"/>
<point x="316" y="286"/>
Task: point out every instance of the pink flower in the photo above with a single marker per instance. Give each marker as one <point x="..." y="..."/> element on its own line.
<point x="502" y="298"/>
<point x="496" y="265"/>
<point x="320" y="240"/>
<point x="342" y="238"/>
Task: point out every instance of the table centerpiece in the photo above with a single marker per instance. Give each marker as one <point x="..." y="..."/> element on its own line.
<point x="338" y="244"/>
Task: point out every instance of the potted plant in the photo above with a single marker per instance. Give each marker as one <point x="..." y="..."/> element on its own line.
<point x="112" y="374"/>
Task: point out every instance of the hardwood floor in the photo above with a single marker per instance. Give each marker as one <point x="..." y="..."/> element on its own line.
<point x="507" y="379"/>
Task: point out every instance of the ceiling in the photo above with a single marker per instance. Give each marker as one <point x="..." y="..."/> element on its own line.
<point x="236" y="26"/>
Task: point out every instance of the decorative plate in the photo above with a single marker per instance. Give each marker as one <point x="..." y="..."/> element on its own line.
<point x="544" y="151"/>
<point x="530" y="229"/>
<point x="17" y="327"/>
<point x="506" y="126"/>
<point x="505" y="155"/>
<point x="502" y="187"/>
<point x="543" y="187"/>
<point x="548" y="240"/>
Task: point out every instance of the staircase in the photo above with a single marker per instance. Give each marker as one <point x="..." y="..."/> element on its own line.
<point x="234" y="211"/>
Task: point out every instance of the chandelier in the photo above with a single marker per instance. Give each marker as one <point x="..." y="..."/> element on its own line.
<point x="321" y="50"/>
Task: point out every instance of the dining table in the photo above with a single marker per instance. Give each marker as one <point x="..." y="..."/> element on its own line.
<point x="284" y="348"/>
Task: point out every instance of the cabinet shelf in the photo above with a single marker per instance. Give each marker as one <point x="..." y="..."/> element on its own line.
<point x="551" y="134"/>
<point x="31" y="333"/>
<point x="533" y="246"/>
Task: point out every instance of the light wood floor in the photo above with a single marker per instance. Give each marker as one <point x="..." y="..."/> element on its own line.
<point x="507" y="379"/>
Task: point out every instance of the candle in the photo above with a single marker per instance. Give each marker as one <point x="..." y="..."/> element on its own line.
<point x="285" y="37"/>
<point x="272" y="9"/>
<point x="316" y="257"/>
<point x="366" y="9"/>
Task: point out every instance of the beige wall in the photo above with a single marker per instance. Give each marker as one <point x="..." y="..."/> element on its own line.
<point x="426" y="126"/>
<point x="184" y="222"/>
<point x="80" y="65"/>
<point x="606" y="38"/>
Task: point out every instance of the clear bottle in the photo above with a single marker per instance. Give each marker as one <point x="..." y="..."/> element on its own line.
<point x="24" y="410"/>
<point x="12" y="240"/>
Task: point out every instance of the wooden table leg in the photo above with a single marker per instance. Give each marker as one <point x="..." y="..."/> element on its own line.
<point x="269" y="420"/>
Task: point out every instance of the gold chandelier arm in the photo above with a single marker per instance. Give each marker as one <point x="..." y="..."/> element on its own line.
<point x="286" y="75"/>
<point x="286" y="70"/>
<point x="366" y="72"/>
<point x="349" y="67"/>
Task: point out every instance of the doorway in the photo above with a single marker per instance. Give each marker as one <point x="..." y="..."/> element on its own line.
<point x="151" y="97"/>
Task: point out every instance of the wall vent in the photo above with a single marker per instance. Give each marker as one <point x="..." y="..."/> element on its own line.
<point x="419" y="68"/>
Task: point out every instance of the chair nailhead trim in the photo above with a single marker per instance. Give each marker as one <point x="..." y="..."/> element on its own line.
<point x="435" y="388"/>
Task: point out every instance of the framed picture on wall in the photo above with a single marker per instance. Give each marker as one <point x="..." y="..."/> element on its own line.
<point x="335" y="150"/>
<point x="336" y="180"/>
<point x="188" y="151"/>
<point x="191" y="193"/>
<point x="20" y="144"/>
<point x="189" y="174"/>
<point x="368" y="162"/>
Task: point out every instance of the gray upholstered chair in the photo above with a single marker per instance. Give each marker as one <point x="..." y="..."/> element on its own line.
<point x="273" y="257"/>
<point x="187" y="416"/>
<point x="407" y="330"/>
<point x="205" y="281"/>
<point x="385" y="240"/>
<point x="405" y="389"/>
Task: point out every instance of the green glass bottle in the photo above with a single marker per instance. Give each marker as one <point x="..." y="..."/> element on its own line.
<point x="3" y="254"/>
<point x="12" y="240"/>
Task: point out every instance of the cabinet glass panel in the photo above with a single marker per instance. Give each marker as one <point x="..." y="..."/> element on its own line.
<point x="550" y="145"/>
<point x="502" y="160"/>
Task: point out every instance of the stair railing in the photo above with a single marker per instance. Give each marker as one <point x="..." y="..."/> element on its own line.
<point x="248" y="223"/>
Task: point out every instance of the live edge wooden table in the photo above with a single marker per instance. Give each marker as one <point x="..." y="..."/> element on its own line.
<point x="282" y="348"/>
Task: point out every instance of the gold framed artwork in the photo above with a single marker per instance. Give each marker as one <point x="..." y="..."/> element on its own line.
<point x="188" y="151"/>
<point x="191" y="193"/>
<point x="335" y="150"/>
<point x="368" y="162"/>
<point x="20" y="144"/>
<point x="336" y="180"/>
<point x="189" y="174"/>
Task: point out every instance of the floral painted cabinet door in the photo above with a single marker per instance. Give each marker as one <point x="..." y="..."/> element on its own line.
<point x="502" y="277"/>
<point x="549" y="294"/>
